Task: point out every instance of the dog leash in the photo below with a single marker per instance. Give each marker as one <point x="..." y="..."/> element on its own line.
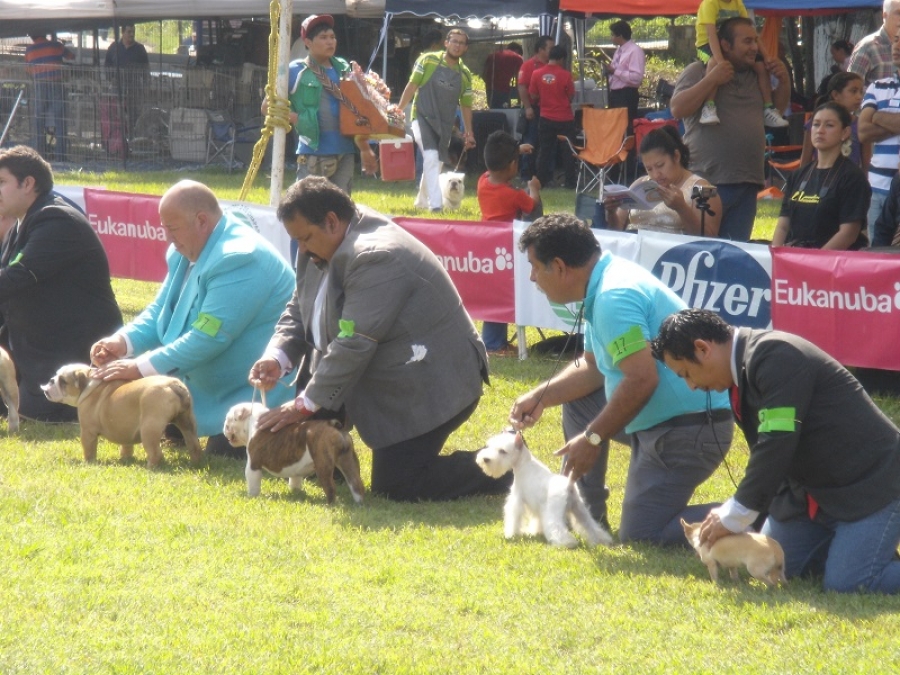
<point x="262" y="395"/>
<point x="462" y="156"/>
<point x="578" y="320"/>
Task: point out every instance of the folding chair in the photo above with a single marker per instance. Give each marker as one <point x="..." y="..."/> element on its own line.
<point x="605" y="145"/>
<point x="643" y="126"/>
<point x="781" y="161"/>
<point x="220" y="136"/>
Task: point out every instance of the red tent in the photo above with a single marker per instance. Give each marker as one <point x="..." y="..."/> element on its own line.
<point x="631" y="7"/>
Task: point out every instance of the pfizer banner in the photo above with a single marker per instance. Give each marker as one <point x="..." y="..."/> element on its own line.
<point x="848" y="304"/>
<point x="479" y="258"/>
<point x="128" y="225"/>
<point x="730" y="278"/>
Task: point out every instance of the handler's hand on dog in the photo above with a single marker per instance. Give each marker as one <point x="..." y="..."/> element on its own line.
<point x="526" y="411"/>
<point x="265" y="374"/>
<point x="123" y="369"/>
<point x="281" y="417"/>
<point x="712" y="529"/>
<point x="580" y="457"/>
<point x="107" y="350"/>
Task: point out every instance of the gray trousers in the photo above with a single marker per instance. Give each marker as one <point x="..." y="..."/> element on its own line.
<point x="667" y="464"/>
<point x="342" y="175"/>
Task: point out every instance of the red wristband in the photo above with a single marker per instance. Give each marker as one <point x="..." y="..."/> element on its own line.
<point x="299" y="407"/>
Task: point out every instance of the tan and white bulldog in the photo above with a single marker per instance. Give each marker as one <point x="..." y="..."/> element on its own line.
<point x="294" y="452"/>
<point x="9" y="390"/>
<point x="126" y="411"/>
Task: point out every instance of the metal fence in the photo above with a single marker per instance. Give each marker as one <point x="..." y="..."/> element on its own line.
<point x="162" y="118"/>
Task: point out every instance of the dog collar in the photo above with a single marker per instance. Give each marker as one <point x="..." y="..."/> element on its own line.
<point x="88" y="390"/>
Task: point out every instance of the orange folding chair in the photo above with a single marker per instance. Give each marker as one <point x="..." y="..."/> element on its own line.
<point x="781" y="161"/>
<point x="605" y="145"/>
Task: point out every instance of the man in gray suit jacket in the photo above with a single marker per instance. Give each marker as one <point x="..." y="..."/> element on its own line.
<point x="388" y="340"/>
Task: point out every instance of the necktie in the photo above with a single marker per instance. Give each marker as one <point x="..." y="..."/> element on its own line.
<point x="735" y="397"/>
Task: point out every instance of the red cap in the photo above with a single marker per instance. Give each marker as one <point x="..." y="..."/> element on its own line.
<point x="314" y="20"/>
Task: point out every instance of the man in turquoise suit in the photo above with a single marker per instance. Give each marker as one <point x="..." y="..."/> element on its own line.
<point x="223" y="294"/>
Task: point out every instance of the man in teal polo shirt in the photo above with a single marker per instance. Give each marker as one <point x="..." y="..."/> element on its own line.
<point x="313" y="83"/>
<point x="678" y="437"/>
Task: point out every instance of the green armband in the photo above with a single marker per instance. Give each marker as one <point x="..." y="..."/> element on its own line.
<point x="777" y="419"/>
<point x="348" y="328"/>
<point x="630" y="342"/>
<point x="207" y="324"/>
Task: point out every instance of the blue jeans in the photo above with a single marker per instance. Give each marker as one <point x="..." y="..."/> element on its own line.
<point x="494" y="335"/>
<point x="738" y="210"/>
<point x="875" y="206"/>
<point x="857" y="556"/>
<point x="668" y="462"/>
<point x="50" y="113"/>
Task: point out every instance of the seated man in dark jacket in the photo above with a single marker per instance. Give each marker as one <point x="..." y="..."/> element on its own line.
<point x="56" y="298"/>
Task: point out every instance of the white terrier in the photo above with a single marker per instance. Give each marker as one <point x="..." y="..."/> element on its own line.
<point x="539" y="501"/>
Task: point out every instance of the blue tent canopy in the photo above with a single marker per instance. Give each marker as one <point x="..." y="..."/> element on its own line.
<point x="799" y="7"/>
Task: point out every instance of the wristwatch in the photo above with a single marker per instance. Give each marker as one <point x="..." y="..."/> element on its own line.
<point x="592" y="437"/>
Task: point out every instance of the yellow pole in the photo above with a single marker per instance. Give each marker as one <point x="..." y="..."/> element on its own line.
<point x="281" y="92"/>
<point x="278" y="115"/>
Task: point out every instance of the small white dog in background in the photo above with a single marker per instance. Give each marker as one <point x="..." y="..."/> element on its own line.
<point x="453" y="189"/>
<point x="539" y="501"/>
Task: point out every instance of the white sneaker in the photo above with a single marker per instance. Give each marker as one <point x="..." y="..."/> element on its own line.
<point x="772" y="118"/>
<point x="708" y="115"/>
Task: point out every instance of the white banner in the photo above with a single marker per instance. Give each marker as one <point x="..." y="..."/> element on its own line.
<point x="262" y="219"/>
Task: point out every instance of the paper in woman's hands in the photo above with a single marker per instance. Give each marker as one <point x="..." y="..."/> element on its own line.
<point x="644" y="196"/>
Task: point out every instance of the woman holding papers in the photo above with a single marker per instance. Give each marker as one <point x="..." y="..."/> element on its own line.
<point x="825" y="201"/>
<point x="672" y="208"/>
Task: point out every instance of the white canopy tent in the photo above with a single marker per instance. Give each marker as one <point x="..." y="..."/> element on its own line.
<point x="18" y="17"/>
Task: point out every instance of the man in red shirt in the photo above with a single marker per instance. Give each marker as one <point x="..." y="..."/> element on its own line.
<point x="553" y="88"/>
<point x="530" y="111"/>
<point x="500" y="68"/>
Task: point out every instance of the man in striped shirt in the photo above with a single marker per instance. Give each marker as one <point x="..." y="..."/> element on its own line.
<point x="879" y="124"/>
<point x="44" y="63"/>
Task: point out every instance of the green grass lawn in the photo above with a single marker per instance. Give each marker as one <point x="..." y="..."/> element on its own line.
<point x="111" y="568"/>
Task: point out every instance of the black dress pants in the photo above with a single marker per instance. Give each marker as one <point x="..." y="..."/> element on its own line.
<point x="414" y="470"/>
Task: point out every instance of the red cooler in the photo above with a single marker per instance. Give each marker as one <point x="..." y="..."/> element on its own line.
<point x="397" y="159"/>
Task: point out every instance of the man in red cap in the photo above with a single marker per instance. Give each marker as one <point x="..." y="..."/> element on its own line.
<point x="315" y="109"/>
